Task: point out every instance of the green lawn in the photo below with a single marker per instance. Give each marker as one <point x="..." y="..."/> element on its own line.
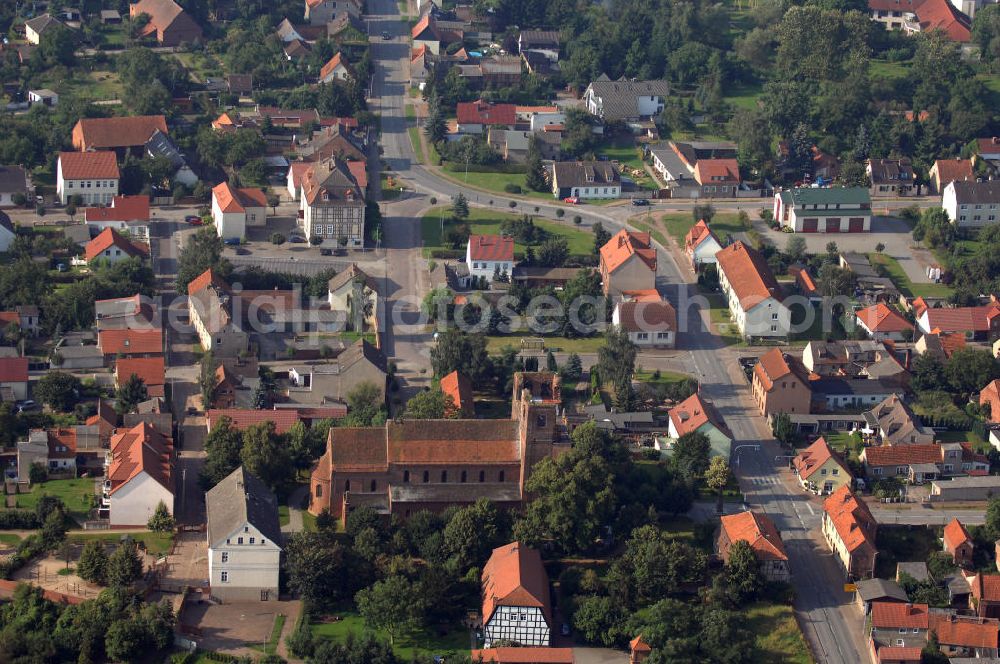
<point x="487" y="222"/>
<point x="76" y="494"/>
<point x="308" y="522"/>
<point x="9" y="539"/>
<point x="816" y="331"/>
<point x="628" y="155"/>
<point x="155" y="542"/>
<point x="494" y="344"/>
<point x="272" y="641"/>
<point x="283" y="517"/>
<point x="743" y="96"/>
<point x="891" y="70"/>
<point x="719" y="317"/>
<point x="779" y="639"/>
<point x="389" y="193"/>
<point x="678" y="225"/>
<point x="665" y="377"/>
<point x="656" y="234"/>
<point x="496" y="182"/>
<point x="409" y="112"/>
<point x="903" y="283"/>
<point x="417" y="644"/>
<point x="418" y="148"/>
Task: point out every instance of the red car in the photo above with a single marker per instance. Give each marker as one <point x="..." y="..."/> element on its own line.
<point x="194" y="220"/>
<point x="572" y="200"/>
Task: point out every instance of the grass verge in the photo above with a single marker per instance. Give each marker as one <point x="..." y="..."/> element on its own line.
<point x="903" y="283"/>
<point x="76" y="494"/>
<point x="156" y="543"/>
<point x="418" y="644"/>
<point x="779" y="639"/>
<point x="487" y="222"/>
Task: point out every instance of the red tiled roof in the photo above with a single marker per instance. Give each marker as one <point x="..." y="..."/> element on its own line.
<point x="772" y="366"/>
<point x="962" y="319"/>
<point x="13" y="369"/>
<point x="898" y="614"/>
<point x="696" y="235"/>
<point x="813" y="457"/>
<point x="988" y="145"/>
<point x="491" y="248"/>
<point x="748" y="275"/>
<point x="130" y="342"/>
<point x="991" y="395"/>
<point x="331" y="66"/>
<point x="893" y="5"/>
<point x="514" y="576"/>
<point x="481" y="112"/>
<point x="896" y="654"/>
<point x="638" y="645"/>
<point x="89" y="165"/>
<point x="241" y="418"/>
<point x="950" y="341"/>
<point x="987" y="587"/>
<point x="690" y="414"/>
<point x="206" y="279"/>
<point x="803" y="278"/>
<point x="122" y="208"/>
<point x="141" y="448"/>
<point x="235" y="199"/>
<point x="523" y="655"/>
<point x="955" y="534"/>
<point x="122" y="132"/>
<point x="949" y="170"/>
<point x="709" y="171"/>
<point x="10" y="318"/>
<point x="625" y="244"/>
<point x="359" y="170"/>
<point x="756" y="530"/>
<point x="108" y="238"/>
<point x="646" y="316"/>
<point x="901" y="455"/>
<point x="965" y="631"/>
<point x="941" y="15"/>
<point x="152" y="371"/>
<point x="459" y="388"/>
<point x="881" y="318"/>
<point x="851" y="518"/>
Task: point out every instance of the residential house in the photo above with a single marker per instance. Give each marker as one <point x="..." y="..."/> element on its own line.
<point x="626" y="101"/>
<point x="943" y="16"/>
<point x="649" y="319"/>
<point x="13" y="378"/>
<point x="701" y="245"/>
<point x="210" y="308"/>
<point x="780" y="384"/>
<point x="895" y="625"/>
<point x="168" y="22"/>
<point x="160" y="145"/>
<point x="820" y="470"/>
<point x="922" y="463"/>
<point x="960" y="636"/>
<point x="677" y="162"/>
<point x="93" y="176"/>
<point x="514" y="145"/>
<point x="971" y="204"/>
<point x="121" y="134"/>
<point x="458" y="386"/>
<point x="241" y="419"/>
<point x="966" y="489"/>
<point x="436" y="35"/>
<point x="718" y="178"/>
<point x="474" y="117"/>
<point x="638" y="650"/>
<point x="321" y="12"/>
<point x="835" y="393"/>
<point x="14" y="182"/>
<point x="125" y="213"/>
<point x="980" y="323"/>
<point x="985" y="597"/>
<point x="988" y="148"/>
<point x="893" y="423"/>
<point x="990" y="396"/>
<point x="945" y="171"/>
<point x="850" y="529"/>
<point x="824" y="210"/>
<point x="337" y="69"/>
<point x="754" y="295"/>
<point x="628" y="263"/>
<point x="139" y="475"/>
<point x="7" y="232"/>
<point x="958" y="543"/>
<point x="346" y="28"/>
<point x="151" y="370"/>
<point x="881" y="322"/>
<point x="890" y="177"/>
<point x="335" y="141"/>
<point x="110" y="17"/>
<point x="330" y="382"/>
<point x="332" y="205"/>
<point x="538" y="40"/>
<point x="139" y="342"/>
<point x="760" y="533"/>
<point x="355" y="285"/>
<point x="840" y="358"/>
<point x="403" y="467"/>
<point x="235" y="208"/>
<point x="43" y="96"/>
<point x="501" y="70"/>
<point x="516" y="603"/>
<point x="296" y="51"/>
<point x="133" y="312"/>
<point x="586" y="180"/>
<point x="24" y="316"/>
<point x="542" y="64"/>
<point x="111" y="247"/>
<point x="522" y="655"/>
<point x="36" y="27"/>
<point x="874" y="590"/>
<point x="244" y="539"/>
<point x="489" y="256"/>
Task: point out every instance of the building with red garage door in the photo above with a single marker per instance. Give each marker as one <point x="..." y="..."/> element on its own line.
<point x="819" y="210"/>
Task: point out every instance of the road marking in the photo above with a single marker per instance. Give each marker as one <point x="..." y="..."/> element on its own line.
<point x="811" y="510"/>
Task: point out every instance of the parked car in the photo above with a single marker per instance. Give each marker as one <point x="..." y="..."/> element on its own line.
<point x="572" y="200"/>
<point x="232" y="241"/>
<point x="298" y="239"/>
<point x="326" y="252"/>
<point x="386" y="36"/>
<point x="194" y="220"/>
<point x="27" y="404"/>
<point x="640" y="202"/>
<point x="242" y="251"/>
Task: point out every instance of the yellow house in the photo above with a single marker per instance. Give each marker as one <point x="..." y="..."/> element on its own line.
<point x="820" y="470"/>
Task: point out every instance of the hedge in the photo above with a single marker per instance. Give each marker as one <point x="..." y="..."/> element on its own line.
<point x="19" y="520"/>
<point x="514" y="169"/>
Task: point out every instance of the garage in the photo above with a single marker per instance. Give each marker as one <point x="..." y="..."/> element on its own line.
<point x="833" y="225"/>
<point x="810" y="225"/>
<point x="856" y="225"/>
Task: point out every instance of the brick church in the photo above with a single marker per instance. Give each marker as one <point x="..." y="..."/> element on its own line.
<point x="404" y="467"/>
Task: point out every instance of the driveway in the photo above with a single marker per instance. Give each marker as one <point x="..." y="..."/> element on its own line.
<point x="231" y="628"/>
<point x="188" y="564"/>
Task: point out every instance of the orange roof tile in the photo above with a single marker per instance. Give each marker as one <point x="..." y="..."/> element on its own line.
<point x="13" y="369"/>
<point x="140" y="449"/>
<point x="748" y="275"/>
<point x="10" y="318"/>
<point x="241" y="418"/>
<point x="638" y="645"/>
<point x="991" y="395"/>
<point x="459" y="388"/>
<point x="625" y="244"/>
<point x="523" y="655"/>
<point x="89" y="165"/>
<point x="690" y="414"/>
<point x="122" y="208"/>
<point x="108" y="238"/>
<point x="206" y="279"/>
<point x="851" y="518"/>
<point x="949" y="170"/>
<point x="881" y="318"/>
<point x="987" y="586"/>
<point x="897" y="654"/>
<point x="898" y="614"/>
<point x="941" y="15"/>
<point x="813" y="457"/>
<point x="901" y="455"/>
<point x="647" y="316"/>
<point x="696" y="235"/>
<point x="120" y="132"/>
<point x="955" y="535"/>
<point x="152" y="371"/>
<point x="332" y="64"/>
<point x="514" y="576"/>
<point x="712" y="171"/>
<point x="772" y="366"/>
<point x="130" y="342"/>
<point x="359" y="170"/>
<point x="235" y="199"/>
<point x="491" y="248"/>
<point x="756" y="530"/>
<point x="965" y="631"/>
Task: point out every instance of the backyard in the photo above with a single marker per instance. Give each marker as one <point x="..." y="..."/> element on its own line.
<point x="900" y="544"/>
<point x="678" y="225"/>
<point x="77" y="495"/>
<point x="906" y="287"/>
<point x="487" y="222"/>
<point x="408" y="646"/>
<point x="155" y="543"/>
<point x="496" y="343"/>
<point x="496" y="182"/>
<point x="779" y="639"/>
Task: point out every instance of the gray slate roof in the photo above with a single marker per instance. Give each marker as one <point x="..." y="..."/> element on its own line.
<point x="977" y="192"/>
<point x="240" y="498"/>
<point x="619" y="99"/>
<point x="13" y="180"/>
<point x="585" y="173"/>
<point x="873" y="589"/>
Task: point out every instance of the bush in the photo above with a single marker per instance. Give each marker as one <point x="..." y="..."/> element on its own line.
<point x="512" y="188"/>
<point x="512" y="204"/>
<point x="277" y="238"/>
<point x="315" y="240"/>
<point x="19" y="520"/>
<point x="434" y="200"/>
<point x="577" y="219"/>
<point x="560" y="213"/>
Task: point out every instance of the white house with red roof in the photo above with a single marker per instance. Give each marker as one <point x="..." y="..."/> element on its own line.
<point x="754" y="295"/>
<point x="235" y="208"/>
<point x="978" y="323"/>
<point x="93" y="176"/>
<point x="336" y="70"/>
<point x="628" y="263"/>
<point x="762" y="535"/>
<point x="321" y="12"/>
<point x="13" y="378"/>
<point x="649" y="319"/>
<point x="516" y="601"/>
<point x="125" y="213"/>
<point x="489" y="256"/>
<point x="701" y="245"/>
<point x="139" y="475"/>
<point x="719" y="178"/>
<point x="695" y="414"/>
<point x="111" y="246"/>
<point x="474" y="116"/>
<point x="881" y="322"/>
<point x="899" y="625"/>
